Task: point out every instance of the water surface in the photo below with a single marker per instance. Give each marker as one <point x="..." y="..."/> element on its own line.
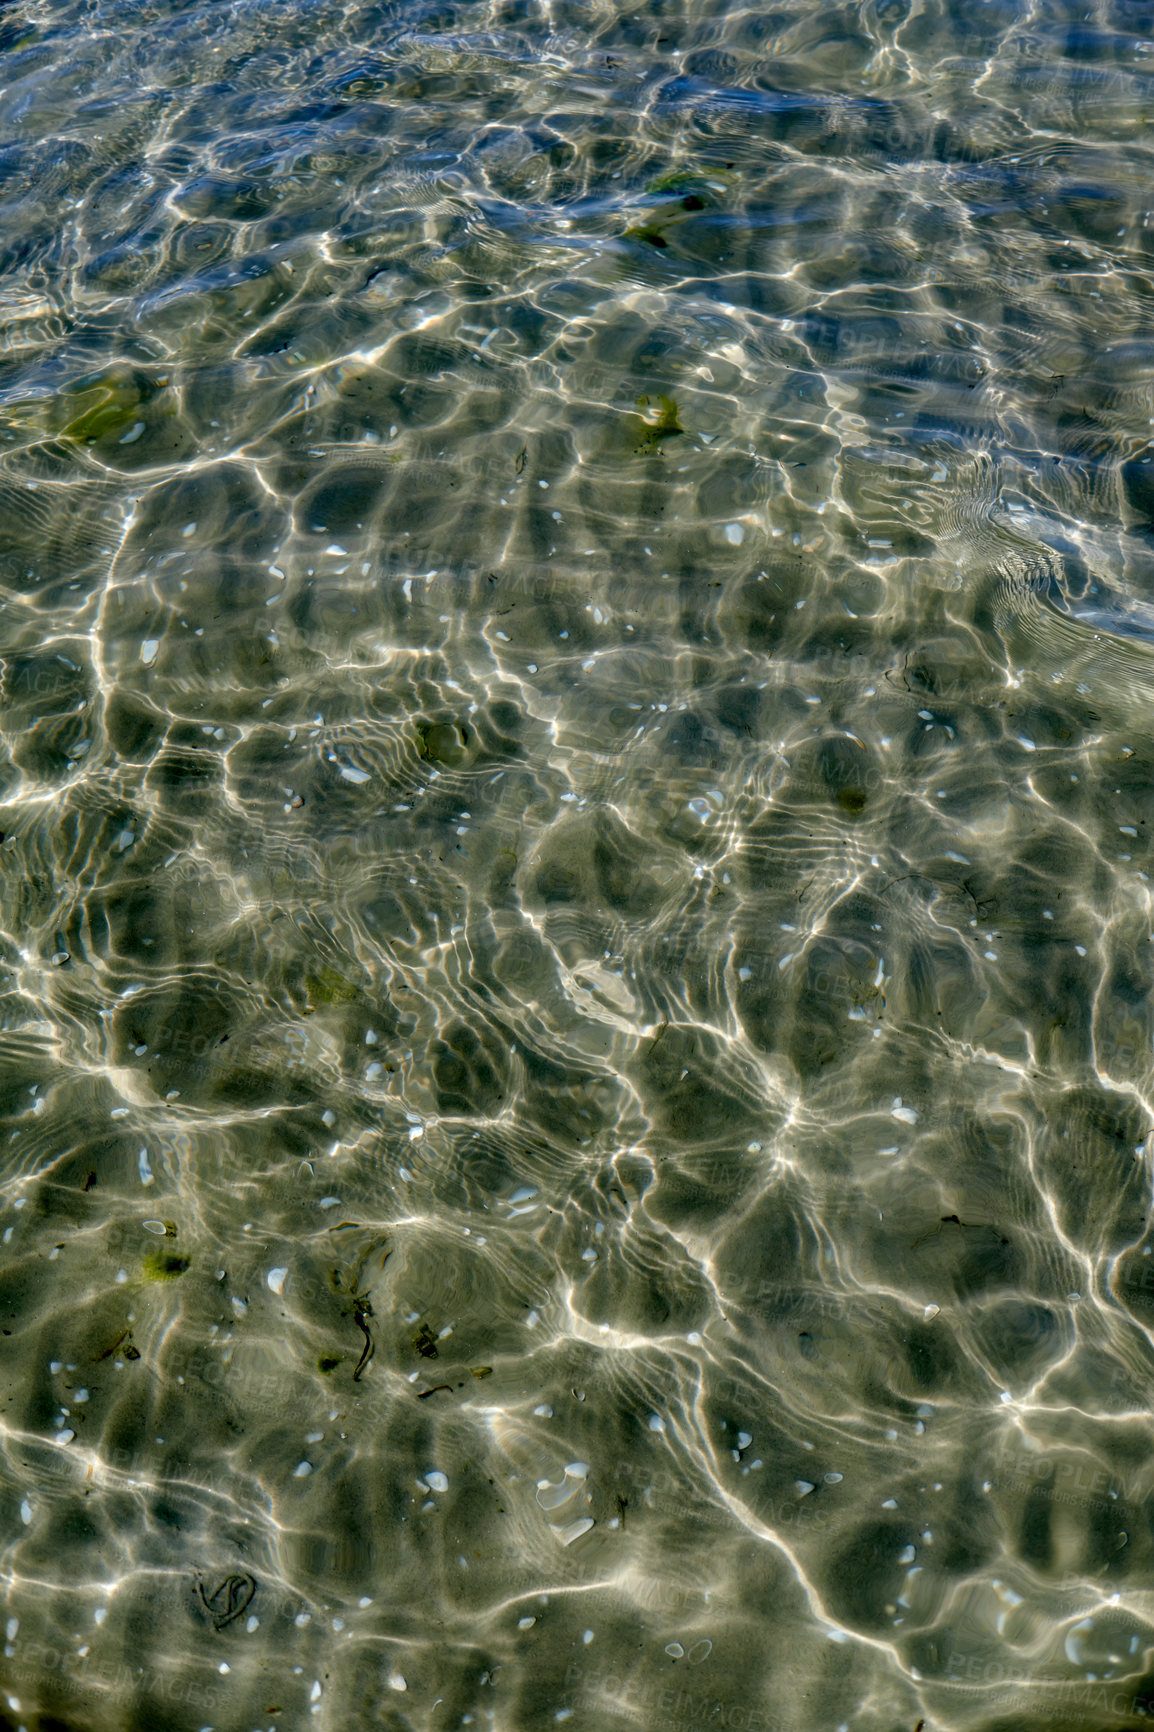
<point x="575" y="918"/>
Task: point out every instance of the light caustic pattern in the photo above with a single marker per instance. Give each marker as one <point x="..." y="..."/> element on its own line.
<point x="575" y="917"/>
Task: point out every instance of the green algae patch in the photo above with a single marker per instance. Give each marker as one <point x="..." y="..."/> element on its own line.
<point x="108" y="405"/>
<point x="329" y="987"/>
<point x="444" y="743"/>
<point x="660" y="420"/>
<point x="688" y="182"/>
<point x="165" y="1265"/>
<point x="648" y="232"/>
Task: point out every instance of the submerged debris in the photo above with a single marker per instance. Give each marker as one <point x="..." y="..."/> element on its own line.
<point x="228" y="1600"/>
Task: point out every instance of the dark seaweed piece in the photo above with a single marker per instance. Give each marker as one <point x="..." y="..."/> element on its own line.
<point x="227" y="1602"/>
<point x="361" y="1310"/>
<point x="944" y="1221"/>
<point x="109" y="1351"/>
<point x="425" y="1342"/>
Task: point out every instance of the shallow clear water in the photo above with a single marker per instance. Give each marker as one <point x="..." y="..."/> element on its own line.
<point x="578" y="618"/>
